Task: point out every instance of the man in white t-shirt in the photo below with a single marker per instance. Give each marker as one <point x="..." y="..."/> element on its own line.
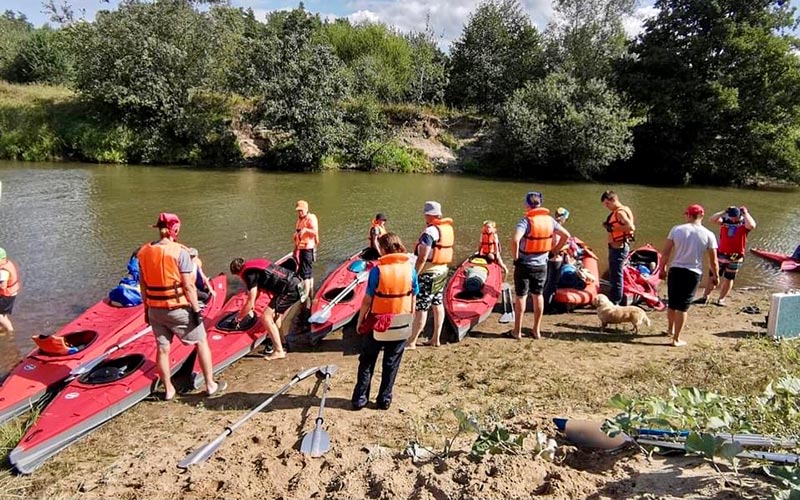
<point x="689" y="242"/>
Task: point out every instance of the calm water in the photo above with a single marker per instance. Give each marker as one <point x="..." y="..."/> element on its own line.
<point x="72" y="227"/>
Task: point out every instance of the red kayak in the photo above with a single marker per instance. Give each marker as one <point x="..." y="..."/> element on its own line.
<point x="786" y="261"/>
<point x="94" y="332"/>
<point x="339" y="298"/>
<point x="107" y="390"/>
<point x="464" y="305"/>
<point x="229" y="341"/>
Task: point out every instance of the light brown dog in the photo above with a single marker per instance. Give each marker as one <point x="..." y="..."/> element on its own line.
<point x="610" y="314"/>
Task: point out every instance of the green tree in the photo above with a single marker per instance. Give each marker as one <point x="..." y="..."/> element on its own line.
<point x="498" y="51"/>
<point x="42" y="57"/>
<point x="430" y="73"/>
<point x="300" y="85"/>
<point x="15" y="29"/>
<point x="587" y="36"/>
<point x="721" y="86"/>
<point x="562" y="128"/>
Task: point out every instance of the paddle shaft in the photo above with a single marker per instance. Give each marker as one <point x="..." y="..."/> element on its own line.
<point x="85" y="367"/>
<point x="202" y="453"/>
<point x="784" y="458"/>
<point x="325" y="313"/>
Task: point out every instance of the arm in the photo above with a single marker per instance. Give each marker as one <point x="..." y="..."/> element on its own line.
<point x="749" y="221"/>
<point x="423" y="251"/>
<point x="207" y="282"/>
<point x="250" y="305"/>
<point x="717" y="217"/>
<point x="626" y="220"/>
<point x="518" y="233"/>
<point x="665" y="255"/>
<point x="4" y="279"/>
<point x="366" y="305"/>
<point x="499" y="251"/>
<point x="562" y="239"/>
<point x="190" y="290"/>
<point x="714" y="264"/>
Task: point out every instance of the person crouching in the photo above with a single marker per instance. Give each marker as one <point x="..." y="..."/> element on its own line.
<point x="385" y="319"/>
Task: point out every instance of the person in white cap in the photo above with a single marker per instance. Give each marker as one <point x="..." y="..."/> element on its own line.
<point x="434" y="252"/>
<point x="9" y="287"/>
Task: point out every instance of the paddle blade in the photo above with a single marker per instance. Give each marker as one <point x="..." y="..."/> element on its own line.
<point x="790" y="265"/>
<point x="320" y="316"/>
<point x="201" y="454"/>
<point x="316" y="443"/>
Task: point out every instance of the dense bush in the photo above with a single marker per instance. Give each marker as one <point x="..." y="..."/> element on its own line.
<point x="42" y="57"/>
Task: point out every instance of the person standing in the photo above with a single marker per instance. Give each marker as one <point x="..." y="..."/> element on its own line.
<point x="385" y="317"/>
<point x="686" y="244"/>
<point x="376" y="230"/>
<point x="620" y="227"/>
<point x="261" y="275"/>
<point x="735" y="225"/>
<point x="171" y="304"/>
<point x="537" y="236"/>
<point x="9" y="288"/>
<point x="434" y="252"/>
<point x="306" y="240"/>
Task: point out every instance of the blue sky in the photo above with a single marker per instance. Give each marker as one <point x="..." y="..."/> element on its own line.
<point x="447" y="16"/>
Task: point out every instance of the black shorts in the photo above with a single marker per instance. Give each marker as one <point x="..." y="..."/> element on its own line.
<point x="306" y="261"/>
<point x="281" y="302"/>
<point x="681" y="287"/>
<point x="529" y="279"/>
<point x="7" y="304"/>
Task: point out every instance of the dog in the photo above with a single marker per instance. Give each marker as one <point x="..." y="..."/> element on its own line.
<point x="610" y="314"/>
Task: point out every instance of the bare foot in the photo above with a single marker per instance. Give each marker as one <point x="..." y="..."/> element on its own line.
<point x="275" y="355"/>
<point x="678" y="343"/>
<point x="169" y="395"/>
<point x="430" y="344"/>
<point x="536" y="336"/>
<point x="219" y="388"/>
<point x="411" y="347"/>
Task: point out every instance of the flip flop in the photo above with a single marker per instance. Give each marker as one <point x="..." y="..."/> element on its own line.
<point x="751" y="310"/>
<point x="221" y="386"/>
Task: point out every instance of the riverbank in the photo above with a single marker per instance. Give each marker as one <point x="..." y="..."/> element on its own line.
<point x="572" y="372"/>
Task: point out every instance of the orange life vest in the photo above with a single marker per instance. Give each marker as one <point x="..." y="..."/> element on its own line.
<point x="617" y="234"/>
<point x="161" y="275"/>
<point x="443" y="248"/>
<point x="539" y="238"/>
<point x="12" y="284"/>
<point x="394" y="292"/>
<point x="307" y="241"/>
<point x="53" y="344"/>
<point x="488" y="241"/>
<point x="381" y="230"/>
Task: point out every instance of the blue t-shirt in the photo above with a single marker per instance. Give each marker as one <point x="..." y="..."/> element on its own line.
<point x="533" y="259"/>
<point x="375" y="276"/>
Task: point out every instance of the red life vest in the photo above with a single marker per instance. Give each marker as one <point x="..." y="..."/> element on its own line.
<point x="488" y="241"/>
<point x="733" y="243"/>
<point x="539" y="237"/>
<point x="162" y="277"/>
<point x="395" y="288"/>
<point x="12" y="284"/>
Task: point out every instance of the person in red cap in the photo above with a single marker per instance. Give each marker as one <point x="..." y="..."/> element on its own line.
<point x="170" y="301"/>
<point x="685" y="246"/>
<point x="306" y="239"/>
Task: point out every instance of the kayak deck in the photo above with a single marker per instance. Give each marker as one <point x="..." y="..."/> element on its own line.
<point x="466" y="309"/>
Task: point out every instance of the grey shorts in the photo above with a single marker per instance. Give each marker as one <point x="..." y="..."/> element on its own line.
<point x="180" y="322"/>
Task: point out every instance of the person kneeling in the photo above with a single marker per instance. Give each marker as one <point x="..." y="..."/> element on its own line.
<point x="261" y="275"/>
<point x="385" y="319"/>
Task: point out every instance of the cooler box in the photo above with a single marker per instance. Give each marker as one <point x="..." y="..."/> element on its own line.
<point x="784" y="315"/>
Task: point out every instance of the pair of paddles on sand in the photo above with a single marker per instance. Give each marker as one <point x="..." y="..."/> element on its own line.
<point x="316" y="443"/>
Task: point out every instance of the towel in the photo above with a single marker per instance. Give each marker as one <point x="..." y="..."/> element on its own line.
<point x="375" y="322"/>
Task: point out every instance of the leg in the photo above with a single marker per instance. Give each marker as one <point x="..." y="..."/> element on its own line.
<point x="680" y="320"/>
<point x="424" y="302"/>
<point x="616" y="263"/>
<point x="521" y="289"/>
<point x="370" y="348"/>
<point x="162" y="364"/>
<point x="519" y="304"/>
<point x="268" y="320"/>
<point x="206" y="365"/>
<point x="725" y="287"/>
<point x="438" y="323"/>
<point x="538" y="311"/>
<point x="420" y="318"/>
<point x="670" y="322"/>
<point x="5" y="323"/>
<point x="392" y="354"/>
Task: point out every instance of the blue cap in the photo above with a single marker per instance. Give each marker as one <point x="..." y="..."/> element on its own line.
<point x="733" y="212"/>
<point x="534" y="199"/>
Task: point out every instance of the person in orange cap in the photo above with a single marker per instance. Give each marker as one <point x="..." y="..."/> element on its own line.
<point x="306" y="239"/>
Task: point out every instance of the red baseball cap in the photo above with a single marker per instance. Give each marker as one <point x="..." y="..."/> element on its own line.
<point x="169" y="221"/>
<point x="694" y="210"/>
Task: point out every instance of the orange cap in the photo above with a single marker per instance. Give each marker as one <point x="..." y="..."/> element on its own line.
<point x="301" y="205"/>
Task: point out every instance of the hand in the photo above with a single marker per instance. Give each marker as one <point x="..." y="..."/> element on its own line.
<point x="197" y="316"/>
<point x="212" y="292"/>
<point x="662" y="273"/>
<point x="715" y="279"/>
<point x="743" y="209"/>
<point x="505" y="269"/>
<point x="147" y="315"/>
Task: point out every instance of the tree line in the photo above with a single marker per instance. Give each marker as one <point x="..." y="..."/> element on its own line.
<point x="709" y="92"/>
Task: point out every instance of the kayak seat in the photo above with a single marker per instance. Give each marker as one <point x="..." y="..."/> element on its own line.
<point x="63" y="345"/>
<point x="113" y="370"/>
<point x="227" y="324"/>
<point x="333" y="292"/>
<point x="357" y="266"/>
<point x="469" y="295"/>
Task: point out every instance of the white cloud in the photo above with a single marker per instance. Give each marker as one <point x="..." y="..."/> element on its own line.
<point x="364" y="16"/>
<point x="634" y="24"/>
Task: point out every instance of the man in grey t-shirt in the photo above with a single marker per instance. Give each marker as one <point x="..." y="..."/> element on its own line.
<point x="688" y="242"/>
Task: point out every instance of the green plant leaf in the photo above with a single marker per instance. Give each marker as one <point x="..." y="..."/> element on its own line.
<point x="619" y="402"/>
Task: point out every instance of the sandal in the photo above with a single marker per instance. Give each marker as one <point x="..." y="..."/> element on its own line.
<point x="751" y="310"/>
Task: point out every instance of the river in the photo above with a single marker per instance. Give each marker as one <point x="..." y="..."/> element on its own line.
<point x="71" y="227"/>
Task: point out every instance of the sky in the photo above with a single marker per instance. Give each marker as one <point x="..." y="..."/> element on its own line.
<point x="447" y="16"/>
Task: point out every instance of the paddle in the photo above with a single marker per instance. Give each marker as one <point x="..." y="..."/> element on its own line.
<point x="318" y="442"/>
<point x="790" y="265"/>
<point x="325" y="314"/>
<point x="508" y="305"/>
<point x="205" y="451"/>
<point x="89" y="365"/>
